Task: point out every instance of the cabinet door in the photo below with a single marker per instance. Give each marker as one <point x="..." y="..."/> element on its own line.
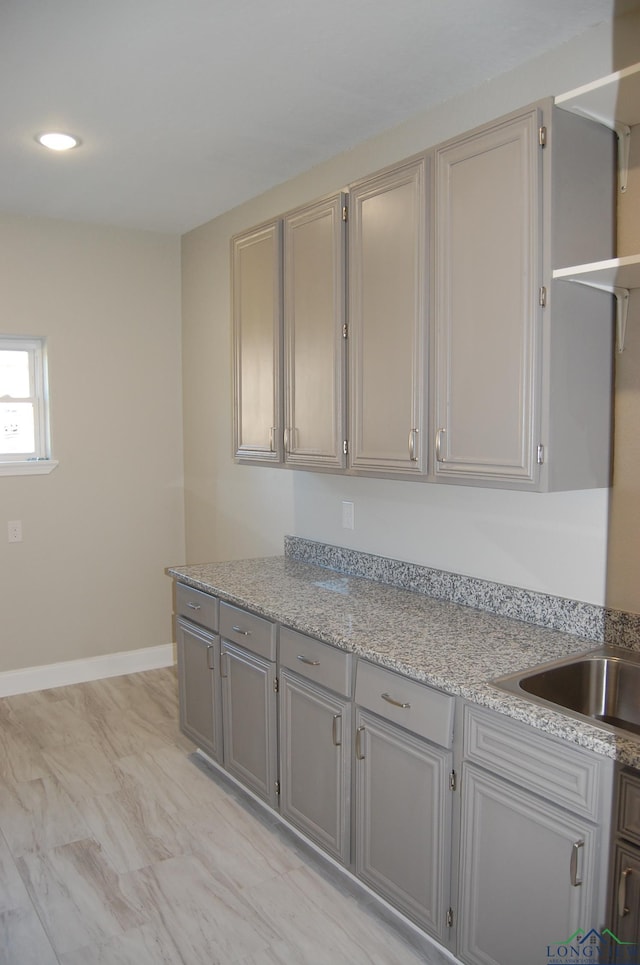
<point x="527" y="874"/>
<point x="403" y="820"/>
<point x="249" y="719"/>
<point x="487" y="277"/>
<point x="199" y="686"/>
<point x="314" y="316"/>
<point x="387" y="321"/>
<point x="315" y="759"/>
<point x="257" y="310"/>
<point x="625" y="895"/>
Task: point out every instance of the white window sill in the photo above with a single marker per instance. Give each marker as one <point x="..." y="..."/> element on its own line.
<point x="30" y="467"/>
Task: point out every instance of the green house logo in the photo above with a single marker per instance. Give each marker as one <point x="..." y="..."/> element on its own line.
<point x="593" y="946"/>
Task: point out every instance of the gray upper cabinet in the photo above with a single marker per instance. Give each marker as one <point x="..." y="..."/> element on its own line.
<point x="487" y="256"/>
<point x="388" y="321"/>
<point x="522" y="370"/>
<point x="314" y="316"/>
<point x="257" y="342"/>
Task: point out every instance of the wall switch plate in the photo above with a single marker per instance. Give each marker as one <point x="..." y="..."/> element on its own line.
<point x="14" y="530"/>
<point x="348" y="518"/>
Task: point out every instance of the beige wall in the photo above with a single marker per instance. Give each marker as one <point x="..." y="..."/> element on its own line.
<point x="555" y="543"/>
<point x="98" y="531"/>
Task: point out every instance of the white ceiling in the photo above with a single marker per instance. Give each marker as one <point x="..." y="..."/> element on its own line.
<point x="189" y="107"/>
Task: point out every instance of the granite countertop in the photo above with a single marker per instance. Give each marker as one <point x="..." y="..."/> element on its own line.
<point x="456" y="648"/>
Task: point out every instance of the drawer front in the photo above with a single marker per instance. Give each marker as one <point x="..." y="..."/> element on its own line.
<point x="326" y="665"/>
<point x="629" y="811"/>
<point x="252" y="632"/>
<point x="420" y="709"/>
<point x="199" y="607"/>
<point x="569" y="775"/>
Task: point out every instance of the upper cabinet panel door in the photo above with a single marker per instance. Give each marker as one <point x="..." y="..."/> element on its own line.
<point x="314" y="310"/>
<point x="387" y="321"/>
<point x="487" y="273"/>
<point x="257" y="322"/>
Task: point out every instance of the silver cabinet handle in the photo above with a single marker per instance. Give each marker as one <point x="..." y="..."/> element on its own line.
<point x="396" y="703"/>
<point x="210" y="656"/>
<point x="311" y="663"/>
<point x="412" y="445"/>
<point x="334" y="729"/>
<point x="622" y="893"/>
<point x="222" y="665"/>
<point x="359" y="754"/>
<point x="194" y="606"/>
<point x="286" y="440"/>
<point x="272" y="432"/>
<point x="573" y="867"/>
<point x="439" y="456"/>
<point x="243" y="633"/>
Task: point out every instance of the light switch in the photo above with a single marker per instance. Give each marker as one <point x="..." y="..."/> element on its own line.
<point x="348" y="518"/>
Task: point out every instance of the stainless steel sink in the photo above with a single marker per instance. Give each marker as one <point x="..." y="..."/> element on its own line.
<point x="601" y="685"/>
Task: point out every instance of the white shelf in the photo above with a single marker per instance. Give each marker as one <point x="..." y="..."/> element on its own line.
<point x="611" y="100"/>
<point x="617" y="276"/>
<point x="614" y="273"/>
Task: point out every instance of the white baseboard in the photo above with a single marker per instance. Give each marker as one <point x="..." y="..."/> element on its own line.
<point x="79" y="671"/>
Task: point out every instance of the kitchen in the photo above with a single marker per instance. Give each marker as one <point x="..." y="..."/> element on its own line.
<point x="121" y="472"/>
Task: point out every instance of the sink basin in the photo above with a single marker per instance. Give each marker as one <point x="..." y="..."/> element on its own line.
<point x="601" y="685"/>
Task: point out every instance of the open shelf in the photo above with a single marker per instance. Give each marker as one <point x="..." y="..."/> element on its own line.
<point x="611" y="100"/>
<point x="610" y="274"/>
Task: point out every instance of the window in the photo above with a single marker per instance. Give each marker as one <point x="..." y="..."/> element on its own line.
<point x="24" y="407"/>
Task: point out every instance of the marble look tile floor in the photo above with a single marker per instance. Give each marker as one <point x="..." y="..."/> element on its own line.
<point x="119" y="846"/>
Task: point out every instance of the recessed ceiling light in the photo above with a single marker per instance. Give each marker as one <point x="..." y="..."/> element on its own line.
<point x="56" y="141"/>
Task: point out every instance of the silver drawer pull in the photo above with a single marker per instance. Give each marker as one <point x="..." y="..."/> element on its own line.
<point x="311" y="663"/>
<point x="573" y="867"/>
<point x="194" y="606"/>
<point x="396" y="703"/>
<point x="243" y="633"/>
<point x="334" y="729"/>
<point x="622" y="893"/>
<point x="439" y="456"/>
<point x="359" y="754"/>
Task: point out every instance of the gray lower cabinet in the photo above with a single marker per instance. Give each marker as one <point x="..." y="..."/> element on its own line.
<point x="199" y="686"/>
<point x="248" y="684"/>
<point x="315" y="762"/>
<point x="227" y="687"/>
<point x="625" y="880"/>
<point x="316" y="688"/>
<point x="625" y="919"/>
<point x="403" y="801"/>
<point x="535" y="816"/>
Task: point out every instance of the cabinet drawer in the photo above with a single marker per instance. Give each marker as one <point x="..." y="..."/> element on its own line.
<point x="554" y="769"/>
<point x="418" y="708"/>
<point x="327" y="665"/>
<point x="629" y="808"/>
<point x="199" y="607"/>
<point x="252" y="632"/>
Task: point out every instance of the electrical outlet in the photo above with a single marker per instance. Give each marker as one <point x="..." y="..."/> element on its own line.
<point x="348" y="517"/>
<point x="14" y="530"/>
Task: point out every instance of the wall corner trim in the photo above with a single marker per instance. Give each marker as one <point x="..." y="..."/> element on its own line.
<point x="80" y="671"/>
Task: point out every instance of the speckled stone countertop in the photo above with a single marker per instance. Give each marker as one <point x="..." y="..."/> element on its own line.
<point x="455" y="648"/>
